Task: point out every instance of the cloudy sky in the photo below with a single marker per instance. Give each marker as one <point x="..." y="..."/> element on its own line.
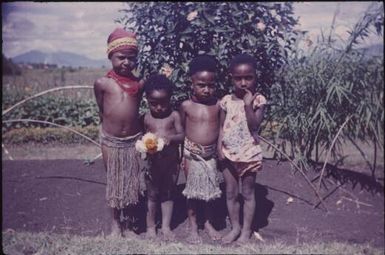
<point x="83" y="27"/>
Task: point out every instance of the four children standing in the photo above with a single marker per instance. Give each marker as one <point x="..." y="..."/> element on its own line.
<point x="208" y="129"/>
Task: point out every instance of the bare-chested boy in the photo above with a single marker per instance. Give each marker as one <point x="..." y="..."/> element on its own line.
<point x="163" y="172"/>
<point x="118" y="95"/>
<point x="200" y="116"/>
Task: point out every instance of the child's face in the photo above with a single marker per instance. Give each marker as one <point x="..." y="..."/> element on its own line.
<point x="203" y="85"/>
<point x="124" y="61"/>
<point x="159" y="103"/>
<point x="243" y="77"/>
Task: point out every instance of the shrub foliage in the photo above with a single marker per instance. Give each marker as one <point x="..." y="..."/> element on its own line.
<point x="170" y="34"/>
<point x="60" y="110"/>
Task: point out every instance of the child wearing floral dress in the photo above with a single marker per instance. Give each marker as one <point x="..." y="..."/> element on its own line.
<point x="238" y="144"/>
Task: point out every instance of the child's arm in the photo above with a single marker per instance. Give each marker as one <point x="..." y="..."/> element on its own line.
<point x="179" y="136"/>
<point x="222" y="116"/>
<point x="99" y="92"/>
<point x="254" y="118"/>
<point x="182" y="114"/>
<point x="143" y="121"/>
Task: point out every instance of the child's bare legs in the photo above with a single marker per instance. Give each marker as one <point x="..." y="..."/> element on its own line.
<point x="167" y="207"/>
<point x="211" y="231"/>
<point x="191" y="213"/>
<point x="150" y="218"/>
<point x="116" y="230"/>
<point x="232" y="206"/>
<point x="248" y="195"/>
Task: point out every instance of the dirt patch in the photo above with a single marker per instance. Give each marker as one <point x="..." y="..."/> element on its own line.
<point x="51" y="151"/>
<point x="353" y="160"/>
<point x="66" y="196"/>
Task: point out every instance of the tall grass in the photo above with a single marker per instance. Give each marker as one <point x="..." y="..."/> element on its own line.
<point x="320" y="89"/>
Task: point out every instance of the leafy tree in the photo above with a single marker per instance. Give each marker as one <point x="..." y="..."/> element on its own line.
<point x="170" y="34"/>
<point x="9" y="68"/>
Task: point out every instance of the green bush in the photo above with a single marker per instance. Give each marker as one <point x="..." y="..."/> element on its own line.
<point x="10" y="68"/>
<point x="59" y="110"/>
<point x="172" y="33"/>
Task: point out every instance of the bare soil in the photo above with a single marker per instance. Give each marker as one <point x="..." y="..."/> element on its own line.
<point x="63" y="195"/>
<point x="353" y="160"/>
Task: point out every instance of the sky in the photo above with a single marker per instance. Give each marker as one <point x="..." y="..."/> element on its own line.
<point x="83" y="27"/>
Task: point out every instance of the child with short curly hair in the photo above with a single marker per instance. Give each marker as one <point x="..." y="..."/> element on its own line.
<point x="238" y="144"/>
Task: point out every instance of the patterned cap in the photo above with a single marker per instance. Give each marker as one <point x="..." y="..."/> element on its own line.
<point x="120" y="39"/>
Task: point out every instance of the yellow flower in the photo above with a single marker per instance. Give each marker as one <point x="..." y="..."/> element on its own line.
<point x="192" y="15"/>
<point x="261" y="26"/>
<point x="308" y="42"/>
<point x="140" y="146"/>
<point x="149" y="143"/>
<point x="166" y="70"/>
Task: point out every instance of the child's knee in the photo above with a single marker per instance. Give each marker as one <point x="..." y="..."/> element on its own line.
<point x="248" y="193"/>
<point x="231" y="194"/>
<point x="152" y="196"/>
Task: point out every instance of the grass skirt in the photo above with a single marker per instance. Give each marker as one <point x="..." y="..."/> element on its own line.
<point x="125" y="170"/>
<point x="203" y="178"/>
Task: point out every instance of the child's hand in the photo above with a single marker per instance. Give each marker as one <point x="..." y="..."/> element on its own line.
<point x="166" y="141"/>
<point x="221" y="156"/>
<point x="182" y="163"/>
<point x="248" y="98"/>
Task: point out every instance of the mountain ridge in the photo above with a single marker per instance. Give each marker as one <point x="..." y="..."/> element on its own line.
<point x="60" y="58"/>
<point x="64" y="58"/>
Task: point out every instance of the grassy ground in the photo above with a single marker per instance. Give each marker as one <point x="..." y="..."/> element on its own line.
<point x="50" y="243"/>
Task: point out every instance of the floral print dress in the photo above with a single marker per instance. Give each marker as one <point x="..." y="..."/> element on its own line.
<point x="238" y="144"/>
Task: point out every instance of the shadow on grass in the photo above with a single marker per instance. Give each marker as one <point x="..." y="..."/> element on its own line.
<point x="263" y="207"/>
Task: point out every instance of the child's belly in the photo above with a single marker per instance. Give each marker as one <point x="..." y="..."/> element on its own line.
<point x="203" y="135"/>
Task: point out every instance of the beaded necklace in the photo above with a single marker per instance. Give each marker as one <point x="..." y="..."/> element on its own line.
<point x="128" y="85"/>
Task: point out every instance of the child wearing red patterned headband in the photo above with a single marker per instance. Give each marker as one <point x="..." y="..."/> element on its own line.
<point x="118" y="96"/>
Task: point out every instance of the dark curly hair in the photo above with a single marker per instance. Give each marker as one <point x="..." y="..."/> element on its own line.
<point x="202" y="63"/>
<point x="158" y="82"/>
<point x="243" y="58"/>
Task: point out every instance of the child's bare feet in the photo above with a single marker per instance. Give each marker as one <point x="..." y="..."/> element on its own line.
<point x="214" y="235"/>
<point x="151" y="233"/>
<point x="115" y="230"/>
<point x="244" y="237"/>
<point x="231" y="236"/>
<point x="194" y="238"/>
<point x="130" y="234"/>
<point x="168" y="235"/>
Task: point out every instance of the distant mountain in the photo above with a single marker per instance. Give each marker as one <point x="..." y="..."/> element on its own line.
<point x="60" y="58"/>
